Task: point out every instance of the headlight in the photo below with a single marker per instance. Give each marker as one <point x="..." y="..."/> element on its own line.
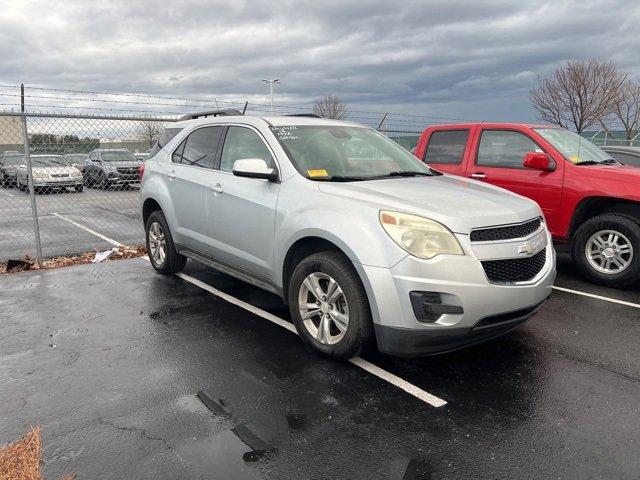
<point x="420" y="236"/>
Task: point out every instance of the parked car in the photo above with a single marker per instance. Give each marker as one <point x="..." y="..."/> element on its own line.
<point x="111" y="167"/>
<point x="51" y="172"/>
<point x="374" y="246"/>
<point x="78" y="160"/>
<point x="9" y="163"/>
<point x="589" y="200"/>
<point x="624" y="155"/>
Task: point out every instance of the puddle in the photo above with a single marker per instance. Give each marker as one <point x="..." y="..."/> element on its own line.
<point x="220" y="456"/>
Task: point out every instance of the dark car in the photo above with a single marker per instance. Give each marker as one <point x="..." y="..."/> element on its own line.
<point x="9" y="163"/>
<point x="78" y="160"/>
<point x="111" y="167"/>
<point x="624" y="155"/>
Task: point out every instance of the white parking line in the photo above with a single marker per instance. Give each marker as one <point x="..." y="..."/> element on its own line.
<point x="87" y="229"/>
<point x="357" y="361"/>
<point x="598" y="297"/>
<point x="6" y="193"/>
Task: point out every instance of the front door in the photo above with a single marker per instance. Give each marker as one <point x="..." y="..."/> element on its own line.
<point x="245" y="208"/>
<point x="499" y="161"/>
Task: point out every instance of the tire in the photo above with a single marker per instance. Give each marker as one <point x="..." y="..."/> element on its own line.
<point x="358" y="334"/>
<point x="594" y="235"/>
<point x="173" y="262"/>
<point x="79" y="188"/>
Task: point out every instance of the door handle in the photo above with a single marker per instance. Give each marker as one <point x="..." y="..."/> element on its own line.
<point x="216" y="188"/>
<point x="172" y="175"/>
<point x="478" y="175"/>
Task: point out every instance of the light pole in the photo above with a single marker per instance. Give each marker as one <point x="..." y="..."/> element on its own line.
<point x="271" y="82"/>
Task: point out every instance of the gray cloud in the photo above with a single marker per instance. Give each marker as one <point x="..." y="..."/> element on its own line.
<point x="473" y="60"/>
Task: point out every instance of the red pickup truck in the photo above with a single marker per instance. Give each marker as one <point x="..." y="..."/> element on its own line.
<point x="589" y="200"/>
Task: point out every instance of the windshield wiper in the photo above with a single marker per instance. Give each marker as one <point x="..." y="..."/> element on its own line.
<point x="608" y="161"/>
<point x="408" y="173"/>
<point x="340" y="178"/>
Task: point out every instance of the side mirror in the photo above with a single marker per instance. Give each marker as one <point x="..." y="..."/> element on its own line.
<point x="254" y="168"/>
<point x="539" y="161"/>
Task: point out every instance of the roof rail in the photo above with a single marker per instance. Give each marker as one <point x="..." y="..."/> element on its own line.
<point x="310" y="115"/>
<point x="211" y="113"/>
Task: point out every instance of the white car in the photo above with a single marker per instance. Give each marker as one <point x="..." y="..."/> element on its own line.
<point x="50" y="172"/>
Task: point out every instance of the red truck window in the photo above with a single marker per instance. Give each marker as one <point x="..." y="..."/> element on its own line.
<point x="446" y="146"/>
<point x="504" y="148"/>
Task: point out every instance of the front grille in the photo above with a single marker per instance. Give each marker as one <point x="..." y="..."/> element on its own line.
<point x="506" y="233"/>
<point x="514" y="269"/>
<point x="128" y="171"/>
<point x="60" y="175"/>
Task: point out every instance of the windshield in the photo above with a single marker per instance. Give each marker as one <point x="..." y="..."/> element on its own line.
<point x="120" y="156"/>
<point x="573" y="147"/>
<point x="49" y="161"/>
<point x="13" y="159"/>
<point x="345" y="153"/>
<point x="76" y="157"/>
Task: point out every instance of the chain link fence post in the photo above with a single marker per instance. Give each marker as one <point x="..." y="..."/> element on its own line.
<point x="32" y="193"/>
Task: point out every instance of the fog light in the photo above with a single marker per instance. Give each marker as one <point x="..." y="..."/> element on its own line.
<point x="428" y="306"/>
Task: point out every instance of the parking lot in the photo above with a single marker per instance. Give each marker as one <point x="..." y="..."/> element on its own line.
<point x="136" y="375"/>
<point x="67" y="220"/>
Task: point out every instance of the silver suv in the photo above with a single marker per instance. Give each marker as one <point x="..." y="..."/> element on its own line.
<point x="362" y="240"/>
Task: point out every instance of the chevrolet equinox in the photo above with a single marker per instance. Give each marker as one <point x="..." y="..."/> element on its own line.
<point x="362" y="240"/>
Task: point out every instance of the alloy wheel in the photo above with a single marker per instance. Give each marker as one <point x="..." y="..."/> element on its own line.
<point x="323" y="308"/>
<point x="157" y="244"/>
<point x="609" y="252"/>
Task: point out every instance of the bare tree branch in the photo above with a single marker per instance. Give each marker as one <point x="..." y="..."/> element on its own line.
<point x="626" y="109"/>
<point x="331" y="106"/>
<point x="148" y="131"/>
<point x="579" y="94"/>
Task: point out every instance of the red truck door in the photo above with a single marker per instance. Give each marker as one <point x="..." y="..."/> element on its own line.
<point x="497" y="156"/>
<point x="446" y="149"/>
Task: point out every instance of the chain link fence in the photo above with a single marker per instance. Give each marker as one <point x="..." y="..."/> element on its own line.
<point x="70" y="183"/>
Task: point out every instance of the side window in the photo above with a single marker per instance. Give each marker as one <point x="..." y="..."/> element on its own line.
<point x="242" y="143"/>
<point x="199" y="148"/>
<point x="446" y="146"/>
<point x="503" y="148"/>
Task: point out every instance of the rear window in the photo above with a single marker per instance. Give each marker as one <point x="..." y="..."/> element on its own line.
<point x="165" y="137"/>
<point x="446" y="146"/>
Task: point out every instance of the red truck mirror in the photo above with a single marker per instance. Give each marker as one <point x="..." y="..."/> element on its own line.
<point x="539" y="161"/>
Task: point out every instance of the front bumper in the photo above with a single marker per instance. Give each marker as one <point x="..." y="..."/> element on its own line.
<point x="486" y="309"/>
<point x="62" y="183"/>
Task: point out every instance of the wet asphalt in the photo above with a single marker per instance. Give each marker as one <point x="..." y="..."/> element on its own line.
<point x="135" y="375"/>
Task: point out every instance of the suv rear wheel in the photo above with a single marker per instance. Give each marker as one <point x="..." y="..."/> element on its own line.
<point x="162" y="251"/>
<point x="606" y="250"/>
<point x="329" y="306"/>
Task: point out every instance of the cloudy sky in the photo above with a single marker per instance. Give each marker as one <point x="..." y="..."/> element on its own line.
<point x="467" y="60"/>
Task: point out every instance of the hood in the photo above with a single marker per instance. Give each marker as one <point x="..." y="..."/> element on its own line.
<point x="132" y="163"/>
<point x="458" y="203"/>
<point x="55" y="170"/>
<point x="619" y="173"/>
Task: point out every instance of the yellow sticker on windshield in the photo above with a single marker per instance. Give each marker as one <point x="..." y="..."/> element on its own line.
<point x="574" y="159"/>
<point x="317" y="173"/>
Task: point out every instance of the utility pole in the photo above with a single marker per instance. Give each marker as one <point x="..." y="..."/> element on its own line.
<point x="271" y="83"/>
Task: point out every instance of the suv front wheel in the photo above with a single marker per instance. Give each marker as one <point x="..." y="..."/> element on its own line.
<point x="606" y="250"/>
<point x="329" y="306"/>
<point x="160" y="247"/>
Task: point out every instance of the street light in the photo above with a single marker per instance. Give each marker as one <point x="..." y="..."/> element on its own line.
<point x="271" y="82"/>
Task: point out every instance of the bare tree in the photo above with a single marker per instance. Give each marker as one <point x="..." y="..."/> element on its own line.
<point x="331" y="106"/>
<point x="578" y="94"/>
<point x="148" y="131"/>
<point x="626" y="110"/>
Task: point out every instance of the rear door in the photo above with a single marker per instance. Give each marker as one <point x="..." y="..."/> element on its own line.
<point x="499" y="157"/>
<point x="446" y="150"/>
<point x="244" y="221"/>
<point x="190" y="175"/>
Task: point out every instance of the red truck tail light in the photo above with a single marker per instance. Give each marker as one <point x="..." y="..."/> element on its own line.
<point x="141" y="171"/>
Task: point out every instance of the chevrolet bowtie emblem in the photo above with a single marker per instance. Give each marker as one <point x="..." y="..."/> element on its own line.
<point x="527" y="248"/>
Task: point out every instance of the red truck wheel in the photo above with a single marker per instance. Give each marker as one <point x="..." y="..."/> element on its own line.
<point x="606" y="250"/>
